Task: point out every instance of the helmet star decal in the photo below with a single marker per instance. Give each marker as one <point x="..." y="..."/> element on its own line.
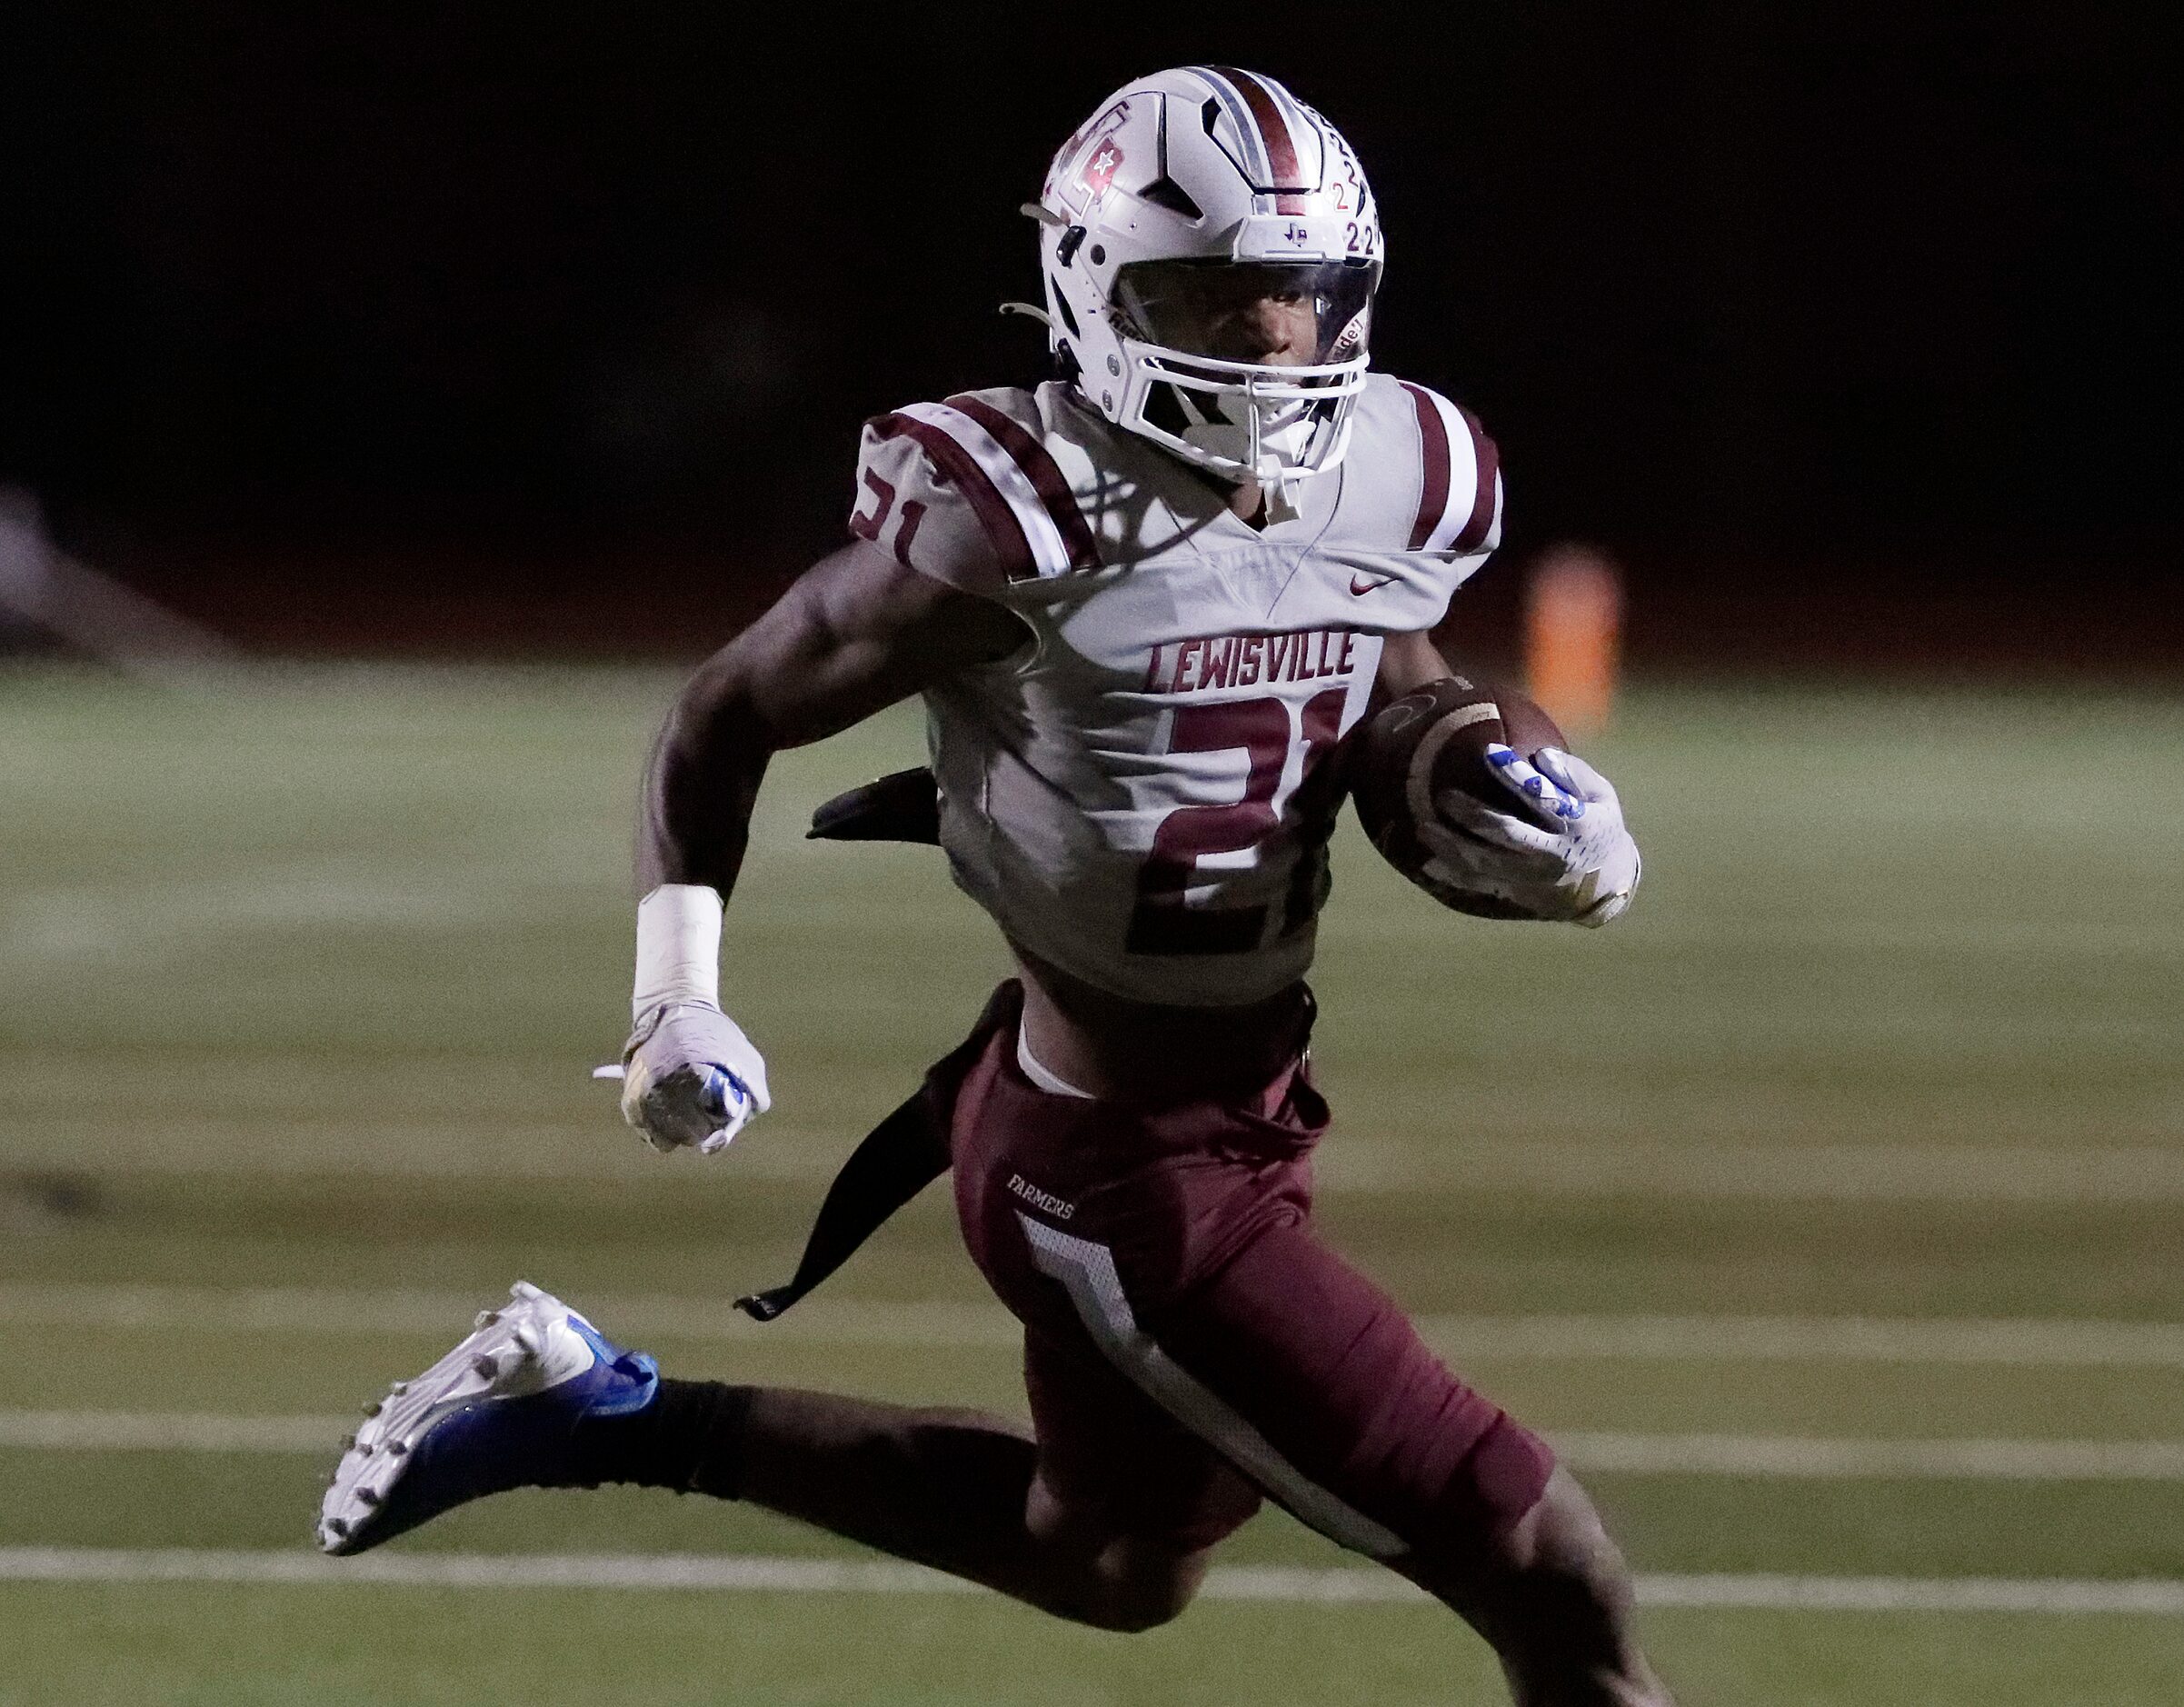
<point x="1099" y="170"/>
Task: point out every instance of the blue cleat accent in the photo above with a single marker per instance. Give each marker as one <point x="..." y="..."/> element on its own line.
<point x="499" y="1411"/>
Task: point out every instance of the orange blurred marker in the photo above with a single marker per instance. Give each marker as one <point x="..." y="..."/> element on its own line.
<point x="1572" y="634"/>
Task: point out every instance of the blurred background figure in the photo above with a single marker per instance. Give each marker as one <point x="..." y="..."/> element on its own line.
<point x="49" y="600"/>
<point x="1573" y="618"/>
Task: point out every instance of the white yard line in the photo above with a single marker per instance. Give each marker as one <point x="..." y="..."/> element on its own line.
<point x="1289" y="1586"/>
<point x="2157" y="1596"/>
<point x="1947" y="1460"/>
<point x="2025" y="1341"/>
<point x="1804" y="1172"/>
<point x="1733" y="1171"/>
<point x="310" y="1310"/>
<point x="1753" y="1456"/>
<point x="172" y="1432"/>
<point x="941" y="1324"/>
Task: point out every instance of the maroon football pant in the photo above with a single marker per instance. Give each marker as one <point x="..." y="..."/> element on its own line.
<point x="1190" y="1345"/>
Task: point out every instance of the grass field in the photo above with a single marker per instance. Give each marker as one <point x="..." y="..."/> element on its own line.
<point x="1829" y="1210"/>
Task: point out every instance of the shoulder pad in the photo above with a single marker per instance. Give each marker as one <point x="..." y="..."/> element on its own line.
<point x="1460" y="478"/>
<point x="965" y="492"/>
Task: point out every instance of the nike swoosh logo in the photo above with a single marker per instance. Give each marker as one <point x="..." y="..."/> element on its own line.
<point x="1360" y="586"/>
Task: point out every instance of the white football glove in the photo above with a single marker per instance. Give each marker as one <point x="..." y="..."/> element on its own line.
<point x="1584" y="871"/>
<point x="691" y="1077"/>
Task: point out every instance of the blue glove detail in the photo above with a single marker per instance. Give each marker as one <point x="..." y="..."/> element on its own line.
<point x="1536" y="782"/>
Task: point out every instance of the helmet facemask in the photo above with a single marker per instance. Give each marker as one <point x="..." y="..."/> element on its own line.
<point x="1198" y="377"/>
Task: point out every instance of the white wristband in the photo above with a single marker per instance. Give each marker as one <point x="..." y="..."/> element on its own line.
<point x="678" y="948"/>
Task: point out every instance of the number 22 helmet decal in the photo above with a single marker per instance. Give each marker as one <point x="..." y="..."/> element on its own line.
<point x="1210" y="249"/>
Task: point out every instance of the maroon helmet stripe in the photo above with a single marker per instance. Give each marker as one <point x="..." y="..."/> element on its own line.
<point x="1273" y="129"/>
<point x="1010" y="542"/>
<point x="1045" y="475"/>
<point x="1433" y="447"/>
<point x="1489" y="461"/>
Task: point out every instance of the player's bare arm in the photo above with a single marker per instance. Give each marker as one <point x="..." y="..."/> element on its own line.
<point x="853" y="635"/>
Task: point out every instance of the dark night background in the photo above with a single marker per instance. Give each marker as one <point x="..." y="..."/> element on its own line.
<point x="1853" y="331"/>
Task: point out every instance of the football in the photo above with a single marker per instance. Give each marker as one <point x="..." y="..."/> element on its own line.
<point x="1432" y="740"/>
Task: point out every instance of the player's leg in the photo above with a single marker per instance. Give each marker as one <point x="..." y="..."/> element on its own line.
<point x="962" y="1492"/>
<point x="1108" y="1518"/>
<point x="536" y="1397"/>
<point x="971" y="1496"/>
<point x="1122" y="1487"/>
<point x="1552" y="1595"/>
<point x="1337" y="1406"/>
<point x="1176" y="1244"/>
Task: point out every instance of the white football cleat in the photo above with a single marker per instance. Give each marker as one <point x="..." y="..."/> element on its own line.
<point x="498" y="1412"/>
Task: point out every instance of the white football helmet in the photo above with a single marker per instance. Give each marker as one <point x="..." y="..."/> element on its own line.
<point x="1192" y="195"/>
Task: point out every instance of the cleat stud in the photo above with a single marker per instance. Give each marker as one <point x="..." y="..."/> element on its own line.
<point x="398" y="1389"/>
<point x="399" y="1448"/>
<point x="485" y="1367"/>
<point x="368" y="1496"/>
<point x="486" y="1318"/>
<point x="338" y="1527"/>
<point x="372" y="1409"/>
<point x="527" y="1337"/>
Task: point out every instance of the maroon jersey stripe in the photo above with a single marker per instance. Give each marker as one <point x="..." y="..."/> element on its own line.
<point x="1433" y="446"/>
<point x="1489" y="460"/>
<point x="1010" y="542"/>
<point x="1273" y="129"/>
<point x="1040" y="469"/>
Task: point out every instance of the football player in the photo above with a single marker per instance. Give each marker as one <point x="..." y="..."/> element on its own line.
<point x="1142" y="602"/>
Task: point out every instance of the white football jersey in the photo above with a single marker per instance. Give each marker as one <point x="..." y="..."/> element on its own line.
<point x="1142" y="795"/>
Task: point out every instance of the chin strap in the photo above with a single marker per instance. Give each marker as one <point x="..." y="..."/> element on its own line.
<point x="1281" y="499"/>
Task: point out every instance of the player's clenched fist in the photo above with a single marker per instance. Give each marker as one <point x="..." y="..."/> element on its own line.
<point x="690" y="1078"/>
